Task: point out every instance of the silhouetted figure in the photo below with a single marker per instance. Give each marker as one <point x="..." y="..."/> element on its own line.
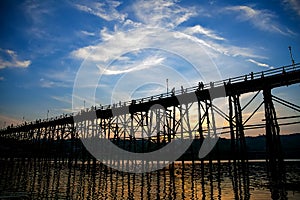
<point x="173" y="91"/>
<point x="251" y="74"/>
<point x="182" y="90"/>
<point x="201" y="85"/>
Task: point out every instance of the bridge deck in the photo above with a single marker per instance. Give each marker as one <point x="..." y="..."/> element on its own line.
<point x="282" y="76"/>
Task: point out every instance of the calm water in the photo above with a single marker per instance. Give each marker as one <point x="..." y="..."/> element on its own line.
<point x="56" y="180"/>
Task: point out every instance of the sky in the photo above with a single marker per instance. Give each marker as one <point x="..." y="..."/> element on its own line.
<point x="53" y="53"/>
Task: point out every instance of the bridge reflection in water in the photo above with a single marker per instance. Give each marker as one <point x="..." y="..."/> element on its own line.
<point x="46" y="158"/>
<point x="42" y="179"/>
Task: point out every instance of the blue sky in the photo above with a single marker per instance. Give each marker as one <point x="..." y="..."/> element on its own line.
<point x="43" y="44"/>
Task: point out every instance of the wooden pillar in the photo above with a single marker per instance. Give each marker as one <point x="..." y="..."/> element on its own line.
<point x="275" y="165"/>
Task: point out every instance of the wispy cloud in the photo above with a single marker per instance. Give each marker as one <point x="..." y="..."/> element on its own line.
<point x="106" y="10"/>
<point x="131" y="24"/>
<point x="198" y="29"/>
<point x="116" y="43"/>
<point x="63" y="78"/>
<point x="87" y="33"/>
<point x="161" y="13"/>
<point x="294" y="5"/>
<point x="37" y="12"/>
<point x="105" y="34"/>
<point x="46" y="83"/>
<point x="148" y="62"/>
<point x="261" y="19"/>
<point x="10" y="58"/>
<point x="215" y="49"/>
<point x="260" y="64"/>
<point x="64" y="99"/>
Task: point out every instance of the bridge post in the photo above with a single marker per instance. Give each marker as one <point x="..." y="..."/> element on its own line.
<point x="274" y="158"/>
<point x="232" y="138"/>
<point x="201" y="137"/>
<point x="237" y="135"/>
<point x="238" y="146"/>
<point x="240" y="128"/>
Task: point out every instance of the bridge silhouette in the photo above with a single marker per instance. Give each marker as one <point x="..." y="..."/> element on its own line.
<point x="147" y="124"/>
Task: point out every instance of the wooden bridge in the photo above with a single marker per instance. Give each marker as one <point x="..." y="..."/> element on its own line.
<point x="147" y="124"/>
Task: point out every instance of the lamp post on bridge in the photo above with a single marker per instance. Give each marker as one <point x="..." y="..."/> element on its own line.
<point x="167" y="80"/>
<point x="291" y="54"/>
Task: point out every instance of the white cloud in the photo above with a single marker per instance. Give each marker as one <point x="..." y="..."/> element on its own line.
<point x="198" y="29"/>
<point x="83" y="52"/>
<point x="234" y="51"/>
<point x="166" y="14"/>
<point x="262" y="19"/>
<point x="114" y="45"/>
<point x="161" y="13"/>
<point x="121" y="43"/>
<point x="106" y="10"/>
<point x="131" y="24"/>
<point x="215" y="49"/>
<point x="87" y="33"/>
<point x="105" y="34"/>
<point x="10" y="58"/>
<point x="294" y="5"/>
<point x="259" y="63"/>
<point x="148" y="62"/>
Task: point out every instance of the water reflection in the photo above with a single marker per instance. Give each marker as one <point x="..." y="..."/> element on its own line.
<point x="240" y="179"/>
<point x="42" y="178"/>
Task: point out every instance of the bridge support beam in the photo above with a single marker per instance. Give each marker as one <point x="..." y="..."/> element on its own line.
<point x="274" y="160"/>
<point x="237" y="135"/>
